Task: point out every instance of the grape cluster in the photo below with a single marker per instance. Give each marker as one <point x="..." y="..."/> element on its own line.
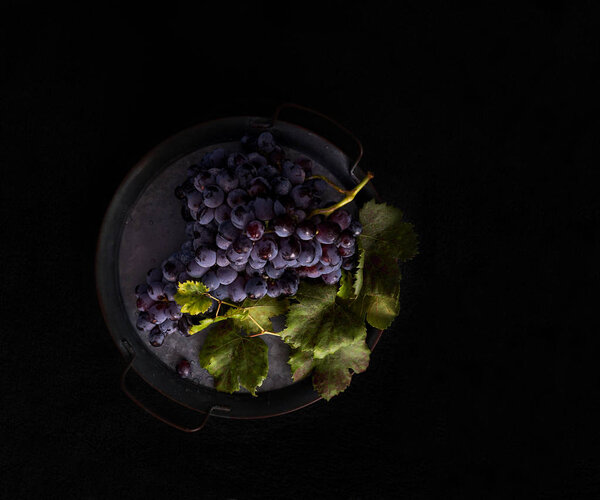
<point x="249" y="233"/>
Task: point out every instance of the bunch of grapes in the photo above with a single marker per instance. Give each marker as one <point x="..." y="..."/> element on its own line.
<point x="249" y="233"/>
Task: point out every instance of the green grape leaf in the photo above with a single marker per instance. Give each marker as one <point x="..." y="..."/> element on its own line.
<point x="191" y="296"/>
<point x="234" y="360"/>
<point x="384" y="232"/>
<point x="332" y="374"/>
<point x="301" y="363"/>
<point x="346" y="289"/>
<point x="359" y="274"/>
<point x="262" y="310"/>
<point x="205" y="323"/>
<point x="319" y="324"/>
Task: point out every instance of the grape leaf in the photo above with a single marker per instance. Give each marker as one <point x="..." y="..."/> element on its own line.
<point x="385" y="233"/>
<point x="301" y="363"/>
<point x="206" y="322"/>
<point x="191" y="296"/>
<point x="234" y="360"/>
<point x="319" y="324"/>
<point x="332" y="374"/>
<point x="346" y="290"/>
<point x="262" y="310"/>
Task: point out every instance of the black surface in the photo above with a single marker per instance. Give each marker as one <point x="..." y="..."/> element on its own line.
<point x="481" y="125"/>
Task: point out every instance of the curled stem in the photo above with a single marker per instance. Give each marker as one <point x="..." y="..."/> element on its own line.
<point x="350" y="195"/>
<point x="262" y="330"/>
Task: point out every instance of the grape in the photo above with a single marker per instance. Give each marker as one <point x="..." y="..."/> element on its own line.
<point x="242" y="244"/>
<point x="170" y="269"/>
<point x="257" y="159"/>
<point x="222" y="259"/>
<point x="228" y="232"/>
<point x="279" y="207"/>
<point x="255" y="230"/>
<point x="157" y="312"/>
<point x="283" y="225"/>
<point x="265" y="142"/>
<point x="211" y="280"/>
<point x="332" y="278"/>
<point x="330" y="255"/>
<point x="347" y="264"/>
<point x="222" y="213"/>
<point x="250" y="271"/>
<point x="156" y="337"/>
<point x="206" y="256"/>
<point x="341" y="218"/>
<point x="237" y="197"/>
<point x="256" y="264"/>
<point x="203" y="235"/>
<point x="195" y="270"/>
<point x="355" y="228"/>
<point x="307" y="254"/>
<point x="195" y="201"/>
<point x="293" y="172"/>
<point x="241" y="216"/>
<point x="256" y="287"/>
<point x="184" y="368"/>
<point x="281" y="185"/>
<point x="154" y="274"/>
<point x="301" y="196"/>
<point x="265" y="249"/>
<point x="183" y="277"/>
<point x="238" y="267"/>
<point x="258" y="186"/>
<point x="227" y="180"/>
<point x="168" y="326"/>
<point x="306" y="230"/>
<point x="289" y="248"/>
<point x="156" y="291"/>
<point x="213" y="196"/>
<point x="170" y="291"/>
<point x="173" y="311"/>
<point x="141" y="289"/>
<point x="289" y="282"/>
<point x="245" y="173"/>
<point x="306" y="164"/>
<point x="221" y="293"/>
<point x="273" y="288"/>
<point x="236" y="257"/>
<point x="327" y="232"/>
<point x="263" y="208"/>
<point x="267" y="171"/>
<point x="272" y="272"/>
<point x="276" y="156"/>
<point x="299" y="215"/>
<point x="345" y="239"/>
<point x="143" y="322"/>
<point x="205" y="215"/>
<point x="226" y="275"/>
<point x="236" y="159"/>
<point x="278" y="262"/>
<point x="203" y="179"/>
<point x="346" y="252"/>
<point x="237" y="290"/>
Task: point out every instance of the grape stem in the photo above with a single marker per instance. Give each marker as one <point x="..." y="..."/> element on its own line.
<point x="262" y="330"/>
<point x="350" y="195"/>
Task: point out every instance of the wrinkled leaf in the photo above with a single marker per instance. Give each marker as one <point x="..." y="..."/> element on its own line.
<point x="262" y="310"/>
<point x="301" y="363"/>
<point x="191" y="296"/>
<point x="206" y="322"/>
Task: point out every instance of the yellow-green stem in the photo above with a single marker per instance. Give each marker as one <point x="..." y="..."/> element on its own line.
<point x="350" y="195"/>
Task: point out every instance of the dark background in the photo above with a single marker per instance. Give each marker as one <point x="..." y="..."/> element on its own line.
<point x="482" y="125"/>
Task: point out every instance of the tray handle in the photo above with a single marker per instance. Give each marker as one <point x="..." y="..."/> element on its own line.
<point x="182" y="428"/>
<point x="285" y="105"/>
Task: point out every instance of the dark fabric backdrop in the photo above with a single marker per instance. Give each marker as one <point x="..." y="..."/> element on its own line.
<point x="482" y="125"/>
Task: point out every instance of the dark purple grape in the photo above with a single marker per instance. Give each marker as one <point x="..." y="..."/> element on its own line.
<point x="251" y="272"/>
<point x="183" y="277"/>
<point x="277" y="156"/>
<point x="289" y="248"/>
<point x="265" y="142"/>
<point x="237" y="289"/>
<point x="237" y="197"/>
<point x="281" y="185"/>
<point x="173" y="311"/>
<point x="228" y="232"/>
<point x="289" y="282"/>
<point x="236" y="159"/>
<point x="236" y="257"/>
<point x="195" y="270"/>
<point x="256" y="287"/>
<point x="226" y="275"/>
<point x="170" y="291"/>
<point x="206" y="256"/>
<point x="221" y="293"/>
<point x="332" y="278"/>
<point x="347" y="264"/>
<point x="203" y="179"/>
<point x="241" y="267"/>
<point x="143" y="322"/>
<point x="258" y="186"/>
<point x="227" y="180"/>
<point x="355" y="228"/>
<point x="157" y="312"/>
<point x="213" y="196"/>
<point x="306" y="164"/>
<point x="306" y="230"/>
<point x="265" y="249"/>
<point x="302" y="196"/>
<point x="245" y="173"/>
<point x="256" y="264"/>
<point x="273" y="288"/>
<point x="330" y="255"/>
<point x="255" y="230"/>
<point x="293" y="172"/>
<point x="184" y="368"/>
<point x="184" y="325"/>
<point x="327" y="232"/>
<point x="195" y="201"/>
<point x="242" y="244"/>
<point x="307" y="254"/>
<point x="156" y="290"/>
<point x="241" y="216"/>
<point x="347" y="252"/>
<point x="279" y="207"/>
<point x="341" y="218"/>
<point x="168" y="326"/>
<point x="171" y="269"/>
<point x="211" y="280"/>
<point x="222" y="260"/>
<point x="345" y="239"/>
<point x="140" y="289"/>
<point x="257" y="159"/>
<point x="156" y="337"/>
<point x="263" y="208"/>
<point x="272" y="272"/>
<point x="222" y="213"/>
<point x="283" y="225"/>
<point x="154" y="274"/>
<point x="267" y="171"/>
<point x="206" y="215"/>
<point x="278" y="262"/>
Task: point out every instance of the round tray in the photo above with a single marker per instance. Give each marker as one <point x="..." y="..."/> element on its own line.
<point x="143" y="225"/>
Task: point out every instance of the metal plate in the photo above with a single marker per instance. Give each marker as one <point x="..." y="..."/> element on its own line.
<point x="143" y="226"/>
